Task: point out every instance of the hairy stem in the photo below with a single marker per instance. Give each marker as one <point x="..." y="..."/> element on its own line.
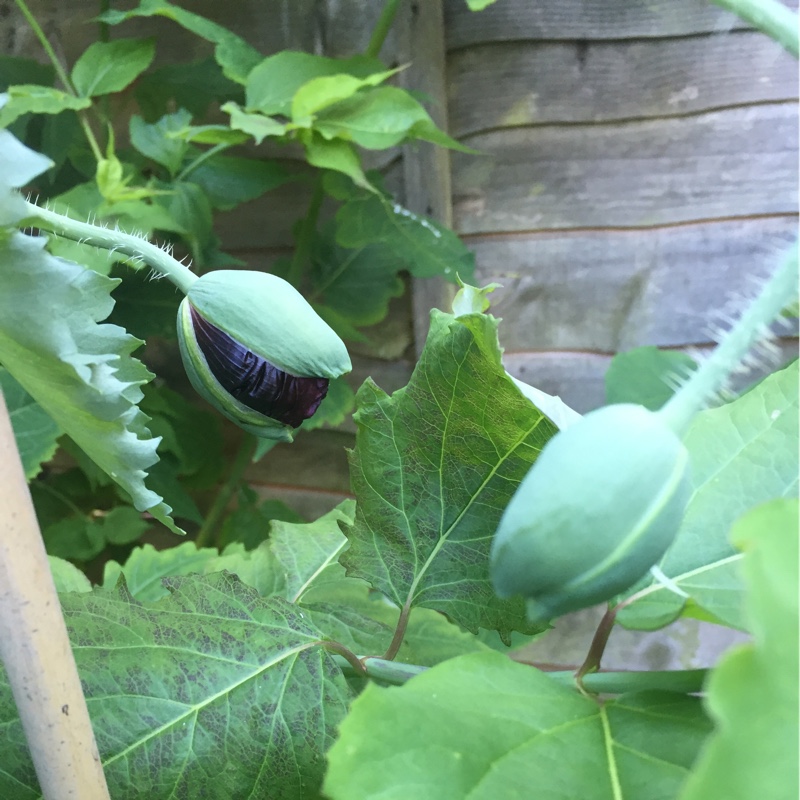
<point x="108" y="239"/>
<point x="775" y="295"/>
<point x="305" y="235"/>
<point x="382" y="28"/>
<point x="62" y="75"/>
<point x="243" y="457"/>
<point x="770" y="17"/>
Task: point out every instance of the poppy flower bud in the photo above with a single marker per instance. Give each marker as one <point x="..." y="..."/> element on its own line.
<point x="257" y="351"/>
<point x="597" y="510"/>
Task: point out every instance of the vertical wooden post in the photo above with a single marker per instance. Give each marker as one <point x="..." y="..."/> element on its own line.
<point x="35" y="648"/>
<point x="426" y="167"/>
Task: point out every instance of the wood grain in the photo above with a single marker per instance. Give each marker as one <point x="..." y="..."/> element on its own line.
<point x="524" y="83"/>
<point x="610" y="290"/>
<point x="736" y="162"/>
<point x="514" y="20"/>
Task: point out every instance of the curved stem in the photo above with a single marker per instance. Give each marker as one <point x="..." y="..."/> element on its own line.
<point x="399" y="631"/>
<point x="382" y="28"/>
<point x="770" y="17"/>
<point x="598" y="645"/>
<point x="108" y="239"/>
<point x="62" y="75"/>
<point x="305" y="235"/>
<point x="353" y="661"/>
<point x="243" y="457"/>
<point x="204" y="156"/>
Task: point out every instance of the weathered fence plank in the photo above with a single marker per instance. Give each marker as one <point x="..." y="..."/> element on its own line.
<point x="520" y="83"/>
<point x="515" y="20"/>
<point x="609" y="290"/>
<point x="736" y="162"/>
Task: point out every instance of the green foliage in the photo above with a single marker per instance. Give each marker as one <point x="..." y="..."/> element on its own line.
<point x="235" y="670"/>
<point x="481" y="726"/>
<point x="753" y="694"/>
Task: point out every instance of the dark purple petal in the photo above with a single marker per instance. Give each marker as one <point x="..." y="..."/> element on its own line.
<point x="254" y="381"/>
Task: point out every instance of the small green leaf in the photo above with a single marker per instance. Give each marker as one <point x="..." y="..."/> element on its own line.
<point x="336" y="155"/>
<point x="753" y="692"/>
<point x="29" y="99"/>
<point x="211" y="134"/>
<point x="256" y="125"/>
<point x="483" y="727"/>
<point x="319" y="93"/>
<point x="647" y="376"/>
<point x="34" y="429"/>
<point x="107" y="67"/>
<point x="430" y="496"/>
<point x="741" y="454"/>
<point x="479" y="5"/>
<point x="249" y="523"/>
<point x="233" y="54"/>
<point x="272" y="85"/>
<point x="380" y="119"/>
<point x="155" y="142"/>
<point x="80" y="372"/>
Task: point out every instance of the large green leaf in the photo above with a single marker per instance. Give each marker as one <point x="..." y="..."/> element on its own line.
<point x="79" y="371"/>
<point x="213" y="691"/>
<point x="107" y="67"/>
<point x="358" y="283"/>
<point x="34" y="429"/>
<point x="233" y="54"/>
<point x="742" y="454"/>
<point x="483" y="727"/>
<point x="419" y="244"/>
<point x="433" y="469"/>
<point x="753" y="694"/>
<point x="229" y="181"/>
<point x="31" y="99"/>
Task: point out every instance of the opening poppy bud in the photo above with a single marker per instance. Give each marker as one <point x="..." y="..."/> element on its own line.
<point x="597" y="510"/>
<point x="257" y="351"/>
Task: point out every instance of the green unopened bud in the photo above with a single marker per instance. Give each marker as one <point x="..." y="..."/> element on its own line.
<point x="257" y="351"/>
<point x="598" y="509"/>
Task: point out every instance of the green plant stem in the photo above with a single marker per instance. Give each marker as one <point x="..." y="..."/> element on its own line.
<point x="382" y="27"/>
<point x="190" y="168"/>
<point x="712" y="374"/>
<point x="243" y="457"/>
<point x="108" y="239"/>
<point x="770" y="17"/>
<point x="684" y="681"/>
<point x="62" y="74"/>
<point x="305" y="236"/>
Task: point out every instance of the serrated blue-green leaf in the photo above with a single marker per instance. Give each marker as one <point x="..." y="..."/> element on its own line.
<point x="79" y="371"/>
